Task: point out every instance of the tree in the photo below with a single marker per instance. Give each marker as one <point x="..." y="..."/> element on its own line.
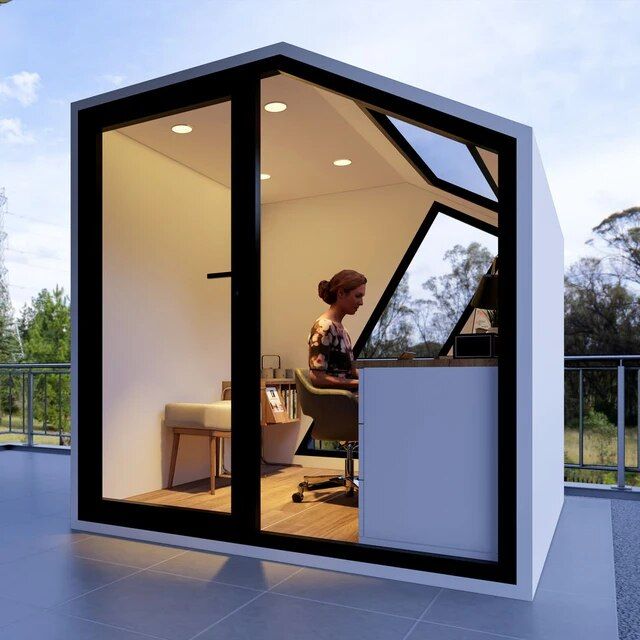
<point x="601" y="315"/>
<point x="45" y="327"/>
<point x="450" y="294"/>
<point x="423" y="325"/>
<point x="392" y="333"/>
<point x="621" y="234"/>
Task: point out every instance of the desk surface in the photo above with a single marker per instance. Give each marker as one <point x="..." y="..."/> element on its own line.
<point x="427" y="362"/>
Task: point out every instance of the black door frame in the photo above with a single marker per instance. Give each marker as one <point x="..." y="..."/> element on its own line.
<point x="242" y="85"/>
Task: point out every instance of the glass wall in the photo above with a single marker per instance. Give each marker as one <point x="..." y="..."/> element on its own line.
<point x="167" y="316"/>
<point x="338" y="194"/>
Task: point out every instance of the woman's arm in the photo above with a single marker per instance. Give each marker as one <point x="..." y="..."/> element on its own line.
<point x="324" y="380"/>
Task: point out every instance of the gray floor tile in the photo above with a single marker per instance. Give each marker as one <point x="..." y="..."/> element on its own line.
<point x="273" y="617"/>
<point x="237" y="570"/>
<point x="51" y="530"/>
<point x="41" y="503"/>
<point x="551" y="616"/>
<point x="376" y="594"/>
<point x="51" y="577"/>
<point x="160" y="604"/>
<point x="431" y="631"/>
<point x="53" y="626"/>
<point x="12" y="611"/>
<point x="129" y="552"/>
<point x="580" y="559"/>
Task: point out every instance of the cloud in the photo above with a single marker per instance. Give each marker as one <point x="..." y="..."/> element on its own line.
<point x="38" y="255"/>
<point x="114" y="79"/>
<point x="22" y="86"/>
<point x="11" y="132"/>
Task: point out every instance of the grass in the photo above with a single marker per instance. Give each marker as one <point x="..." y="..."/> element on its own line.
<point x="600" y="450"/>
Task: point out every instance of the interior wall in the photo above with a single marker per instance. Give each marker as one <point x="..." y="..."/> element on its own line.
<point x="166" y="328"/>
<point x="308" y="240"/>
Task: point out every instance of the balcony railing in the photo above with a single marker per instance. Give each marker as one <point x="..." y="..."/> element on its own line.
<point x="602" y="420"/>
<point x="35" y="403"/>
<point x="602" y="414"/>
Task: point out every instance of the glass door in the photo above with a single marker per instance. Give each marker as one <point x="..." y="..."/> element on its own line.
<point x="166" y="241"/>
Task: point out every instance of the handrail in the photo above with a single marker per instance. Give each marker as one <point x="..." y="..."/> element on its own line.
<point x="35" y="400"/>
<point x="35" y="365"/>
<point x="607" y="357"/>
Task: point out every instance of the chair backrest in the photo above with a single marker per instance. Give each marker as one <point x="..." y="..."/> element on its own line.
<point x="334" y="411"/>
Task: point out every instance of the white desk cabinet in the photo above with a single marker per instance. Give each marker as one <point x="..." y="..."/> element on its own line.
<point x="428" y="459"/>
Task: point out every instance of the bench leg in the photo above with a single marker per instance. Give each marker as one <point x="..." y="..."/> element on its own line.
<point x="213" y="462"/>
<point x="174" y="457"/>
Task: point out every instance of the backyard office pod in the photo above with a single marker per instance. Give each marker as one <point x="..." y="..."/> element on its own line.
<point x="206" y="207"/>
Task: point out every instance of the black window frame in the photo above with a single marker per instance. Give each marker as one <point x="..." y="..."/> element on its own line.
<point x="242" y="85"/>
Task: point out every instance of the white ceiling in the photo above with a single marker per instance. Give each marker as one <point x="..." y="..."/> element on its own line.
<point x="298" y="145"/>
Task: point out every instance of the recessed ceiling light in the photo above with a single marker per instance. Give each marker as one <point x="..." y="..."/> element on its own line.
<point x="275" y="107"/>
<point x="181" y="128"/>
<point x="342" y="162"/>
<point x="265" y="176"/>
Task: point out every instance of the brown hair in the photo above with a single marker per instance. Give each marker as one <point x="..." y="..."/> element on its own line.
<point x="347" y="279"/>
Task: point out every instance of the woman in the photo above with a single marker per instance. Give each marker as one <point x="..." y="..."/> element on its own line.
<point x="330" y="352"/>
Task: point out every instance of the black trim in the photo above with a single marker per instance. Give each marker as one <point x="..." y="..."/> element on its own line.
<point x="242" y="525"/>
<point x="219" y="274"/>
<point x="245" y="302"/>
<point x="482" y="165"/>
<point x="393" y="134"/>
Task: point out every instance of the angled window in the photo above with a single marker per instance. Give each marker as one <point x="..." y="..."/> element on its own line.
<point x="444" y="162"/>
<point x="431" y="296"/>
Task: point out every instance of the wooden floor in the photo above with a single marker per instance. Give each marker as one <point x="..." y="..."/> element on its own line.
<point x="326" y="513"/>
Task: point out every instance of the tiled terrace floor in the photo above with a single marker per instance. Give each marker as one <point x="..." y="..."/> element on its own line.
<point x="59" y="585"/>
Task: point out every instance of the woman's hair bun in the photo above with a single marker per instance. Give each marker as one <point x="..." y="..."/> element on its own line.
<point x="323" y="289"/>
<point x="347" y="280"/>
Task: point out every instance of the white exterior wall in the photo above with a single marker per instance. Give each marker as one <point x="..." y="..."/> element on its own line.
<point x="547" y="367"/>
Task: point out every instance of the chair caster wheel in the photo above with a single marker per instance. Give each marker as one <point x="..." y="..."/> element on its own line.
<point x="297" y="497"/>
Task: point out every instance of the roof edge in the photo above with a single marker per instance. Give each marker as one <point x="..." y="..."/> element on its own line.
<point x="409" y="92"/>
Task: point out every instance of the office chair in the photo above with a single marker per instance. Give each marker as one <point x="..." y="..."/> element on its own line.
<point x="335" y="417"/>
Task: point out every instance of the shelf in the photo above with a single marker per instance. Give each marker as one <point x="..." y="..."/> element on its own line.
<point x="276" y="418"/>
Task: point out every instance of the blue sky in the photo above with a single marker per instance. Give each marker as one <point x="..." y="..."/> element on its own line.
<point x="570" y="70"/>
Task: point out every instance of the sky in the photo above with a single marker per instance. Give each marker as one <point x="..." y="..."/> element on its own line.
<point x="570" y="70"/>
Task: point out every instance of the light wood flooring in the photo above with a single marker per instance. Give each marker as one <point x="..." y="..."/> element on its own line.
<point x="326" y="513"/>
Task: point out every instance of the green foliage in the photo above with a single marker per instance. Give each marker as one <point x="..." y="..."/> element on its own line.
<point x="602" y="316"/>
<point x="450" y="294"/>
<point x="621" y="234"/>
<point x="392" y="333"/>
<point x="598" y="423"/>
<point x="45" y="327"/>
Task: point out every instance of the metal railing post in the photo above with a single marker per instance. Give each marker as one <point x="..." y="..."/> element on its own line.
<point x="30" y="407"/>
<point x="580" y="420"/>
<point x="621" y="443"/>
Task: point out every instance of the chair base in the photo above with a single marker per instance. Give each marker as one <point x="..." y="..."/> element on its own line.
<point x="348" y="480"/>
<point x="323" y="482"/>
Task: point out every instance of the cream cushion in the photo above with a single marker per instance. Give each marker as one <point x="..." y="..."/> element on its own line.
<point x="194" y="415"/>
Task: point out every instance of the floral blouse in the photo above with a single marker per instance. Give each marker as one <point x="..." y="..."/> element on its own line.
<point x="330" y="348"/>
